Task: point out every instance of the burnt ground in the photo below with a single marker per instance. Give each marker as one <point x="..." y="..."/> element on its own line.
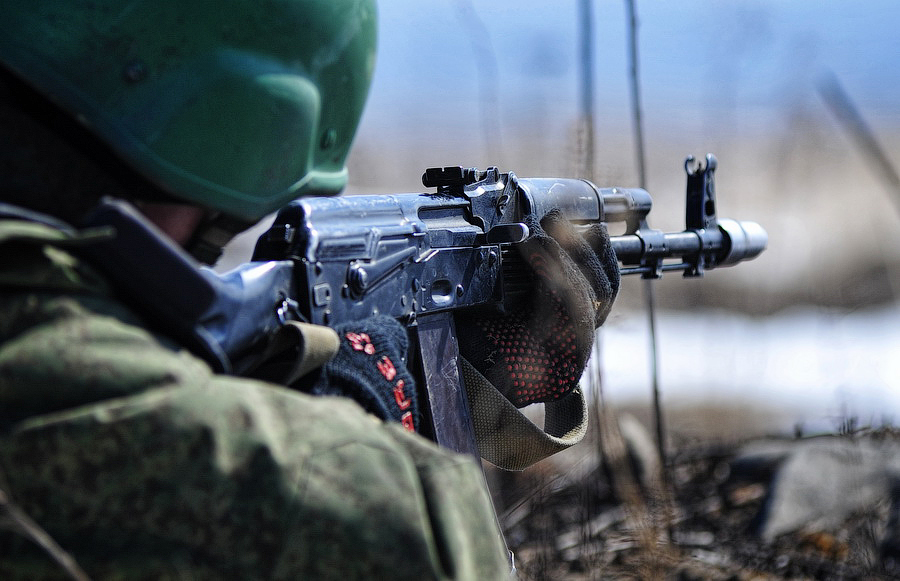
<point x="580" y="523"/>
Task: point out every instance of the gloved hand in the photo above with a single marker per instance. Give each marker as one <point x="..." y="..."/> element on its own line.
<point x="539" y="352"/>
<point x="370" y="368"/>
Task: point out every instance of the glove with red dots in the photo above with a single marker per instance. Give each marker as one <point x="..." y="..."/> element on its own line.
<point x="538" y="353"/>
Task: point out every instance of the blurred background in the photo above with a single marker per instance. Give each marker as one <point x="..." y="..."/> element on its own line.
<point x="805" y="336"/>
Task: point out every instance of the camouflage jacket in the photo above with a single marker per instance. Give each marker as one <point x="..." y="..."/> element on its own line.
<point x="142" y="463"/>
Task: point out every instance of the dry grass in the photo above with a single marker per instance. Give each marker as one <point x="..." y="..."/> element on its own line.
<point x="589" y="514"/>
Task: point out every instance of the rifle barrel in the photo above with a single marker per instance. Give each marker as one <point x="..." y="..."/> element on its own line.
<point x="732" y="242"/>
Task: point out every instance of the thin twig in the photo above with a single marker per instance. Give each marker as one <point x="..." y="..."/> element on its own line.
<point x="587" y="89"/>
<point x="14" y="518"/>
<point x="659" y="491"/>
<point x="843" y="108"/>
<point x="640" y="156"/>
<point x="488" y="75"/>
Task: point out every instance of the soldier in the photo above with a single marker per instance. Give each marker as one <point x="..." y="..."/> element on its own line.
<point x="138" y="453"/>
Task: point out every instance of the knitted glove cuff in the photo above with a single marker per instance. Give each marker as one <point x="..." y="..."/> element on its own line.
<point x="370" y="368"/>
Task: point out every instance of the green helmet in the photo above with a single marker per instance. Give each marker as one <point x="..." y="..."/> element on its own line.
<point x="240" y="106"/>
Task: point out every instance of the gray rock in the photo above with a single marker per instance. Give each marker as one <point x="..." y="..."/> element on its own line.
<point x="816" y="484"/>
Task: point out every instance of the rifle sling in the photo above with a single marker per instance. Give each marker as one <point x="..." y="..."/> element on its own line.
<point x="510" y="440"/>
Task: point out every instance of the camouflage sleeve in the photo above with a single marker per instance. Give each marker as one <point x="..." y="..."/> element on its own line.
<point x="143" y="464"/>
<point x="240" y="479"/>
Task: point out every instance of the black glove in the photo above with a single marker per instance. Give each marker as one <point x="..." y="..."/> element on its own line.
<point x="370" y="368"/>
<point x="539" y="352"/>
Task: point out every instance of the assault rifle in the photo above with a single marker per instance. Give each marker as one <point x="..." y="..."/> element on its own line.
<point x="420" y="257"/>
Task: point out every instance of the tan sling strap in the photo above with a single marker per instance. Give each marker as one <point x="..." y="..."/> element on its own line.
<point x="510" y="440"/>
<point x="308" y="346"/>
